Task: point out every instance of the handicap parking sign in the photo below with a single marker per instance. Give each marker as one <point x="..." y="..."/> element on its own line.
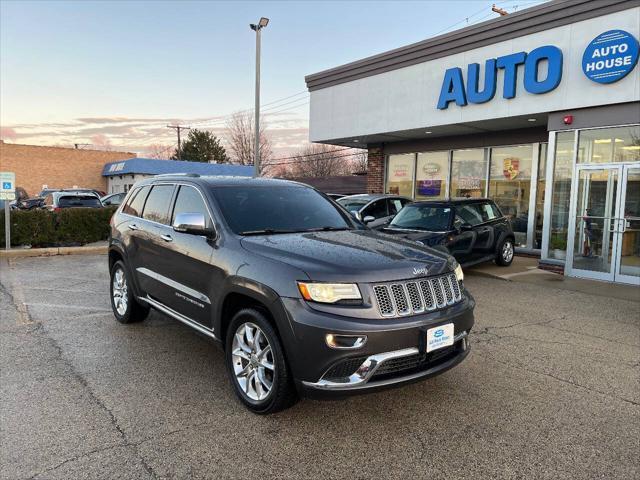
<point x="7" y="181"/>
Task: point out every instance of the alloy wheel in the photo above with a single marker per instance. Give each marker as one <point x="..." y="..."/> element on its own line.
<point x="253" y="362"/>
<point x="507" y="251"/>
<point x="119" y="292"/>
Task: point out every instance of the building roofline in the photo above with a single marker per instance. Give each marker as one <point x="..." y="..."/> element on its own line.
<point x="531" y="20"/>
<point x="131" y="154"/>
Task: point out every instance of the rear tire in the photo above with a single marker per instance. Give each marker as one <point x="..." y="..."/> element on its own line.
<point x="125" y="306"/>
<point x="505" y="251"/>
<point x="256" y="364"/>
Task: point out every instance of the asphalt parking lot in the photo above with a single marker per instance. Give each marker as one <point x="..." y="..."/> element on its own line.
<point x="550" y="390"/>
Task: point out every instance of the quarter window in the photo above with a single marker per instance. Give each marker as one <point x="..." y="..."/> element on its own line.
<point x="156" y="208"/>
<point x="189" y="200"/>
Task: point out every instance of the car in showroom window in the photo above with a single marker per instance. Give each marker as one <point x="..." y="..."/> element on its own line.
<point x="373" y="209"/>
<point x="305" y="300"/>
<point x="472" y="230"/>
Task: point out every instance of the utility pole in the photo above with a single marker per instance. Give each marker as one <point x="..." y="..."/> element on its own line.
<point x="178" y="128"/>
<point x="256" y="153"/>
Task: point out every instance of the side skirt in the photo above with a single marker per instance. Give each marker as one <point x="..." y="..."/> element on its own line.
<point x="178" y="316"/>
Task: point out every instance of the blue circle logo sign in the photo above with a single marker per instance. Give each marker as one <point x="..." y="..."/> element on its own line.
<point x="610" y="56"/>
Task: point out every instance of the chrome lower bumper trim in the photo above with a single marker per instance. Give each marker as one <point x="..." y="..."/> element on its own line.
<point x="368" y="368"/>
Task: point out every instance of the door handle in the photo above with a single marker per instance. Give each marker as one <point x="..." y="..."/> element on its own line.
<point x="166" y="238"/>
<point x="133" y="226"/>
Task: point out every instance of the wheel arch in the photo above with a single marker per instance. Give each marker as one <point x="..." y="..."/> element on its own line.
<point x="243" y="293"/>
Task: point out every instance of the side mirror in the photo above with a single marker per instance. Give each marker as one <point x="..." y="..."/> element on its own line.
<point x="192" y="223"/>
<point x="368" y="219"/>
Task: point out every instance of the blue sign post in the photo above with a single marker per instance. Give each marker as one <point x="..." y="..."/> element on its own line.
<point x="610" y="56"/>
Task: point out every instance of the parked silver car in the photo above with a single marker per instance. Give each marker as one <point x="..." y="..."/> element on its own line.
<point x="374" y="209"/>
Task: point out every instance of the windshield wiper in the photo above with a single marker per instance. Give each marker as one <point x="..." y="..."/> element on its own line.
<point x="267" y="231"/>
<point x="327" y="229"/>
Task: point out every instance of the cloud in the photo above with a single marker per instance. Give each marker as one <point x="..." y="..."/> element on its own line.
<point x="288" y="131"/>
<point x="7" y="133"/>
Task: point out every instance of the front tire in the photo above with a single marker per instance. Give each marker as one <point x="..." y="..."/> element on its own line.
<point x="125" y="307"/>
<point x="257" y="367"/>
<point x="505" y="251"/>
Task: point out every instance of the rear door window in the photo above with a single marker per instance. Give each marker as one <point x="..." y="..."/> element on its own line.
<point x="156" y="208"/>
<point x="469" y="214"/>
<point x="189" y="200"/>
<point x="395" y="205"/>
<point x="377" y="209"/>
<point x="136" y="202"/>
<point x="78" y="201"/>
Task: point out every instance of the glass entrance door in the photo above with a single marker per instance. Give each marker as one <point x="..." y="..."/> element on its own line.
<point x="628" y="264"/>
<point x="604" y="229"/>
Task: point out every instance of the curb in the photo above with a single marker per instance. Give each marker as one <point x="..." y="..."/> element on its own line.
<point x="50" y="252"/>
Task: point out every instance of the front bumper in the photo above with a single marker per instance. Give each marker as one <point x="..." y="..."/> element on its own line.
<point x="393" y="354"/>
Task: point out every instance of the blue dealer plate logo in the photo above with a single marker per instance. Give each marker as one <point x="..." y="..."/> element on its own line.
<point x="6" y="185"/>
<point x="610" y="56"/>
<point x="438" y="333"/>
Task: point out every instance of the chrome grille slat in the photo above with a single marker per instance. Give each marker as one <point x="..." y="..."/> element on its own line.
<point x="413" y="297"/>
<point x="383" y="299"/>
<point x="399" y="299"/>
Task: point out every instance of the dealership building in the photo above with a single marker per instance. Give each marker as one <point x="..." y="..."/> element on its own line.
<point x="538" y="110"/>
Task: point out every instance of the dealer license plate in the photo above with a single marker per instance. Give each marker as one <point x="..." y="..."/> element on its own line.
<point x="439" y="337"/>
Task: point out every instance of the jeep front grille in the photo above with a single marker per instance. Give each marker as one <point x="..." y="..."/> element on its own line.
<point x="406" y="298"/>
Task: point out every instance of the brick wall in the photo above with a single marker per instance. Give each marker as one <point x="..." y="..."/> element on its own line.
<point x="375" y="170"/>
<point x="56" y="167"/>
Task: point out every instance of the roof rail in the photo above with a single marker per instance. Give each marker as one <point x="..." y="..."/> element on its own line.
<point x="177" y="175"/>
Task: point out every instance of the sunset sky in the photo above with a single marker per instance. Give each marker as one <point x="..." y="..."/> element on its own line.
<point x="116" y="73"/>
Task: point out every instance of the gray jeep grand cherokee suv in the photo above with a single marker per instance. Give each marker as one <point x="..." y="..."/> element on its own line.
<point x="304" y="299"/>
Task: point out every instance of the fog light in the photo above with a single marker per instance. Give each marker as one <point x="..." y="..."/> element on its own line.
<point x="345" y="341"/>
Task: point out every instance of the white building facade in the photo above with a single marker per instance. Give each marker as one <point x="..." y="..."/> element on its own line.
<point x="538" y="110"/>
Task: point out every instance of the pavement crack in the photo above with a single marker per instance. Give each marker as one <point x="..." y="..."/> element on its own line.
<point x="98" y="401"/>
<point x="24" y="317"/>
<point x="563" y="380"/>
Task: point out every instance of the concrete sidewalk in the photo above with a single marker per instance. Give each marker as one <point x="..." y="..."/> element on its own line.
<point x="88" y="249"/>
<point x="525" y="270"/>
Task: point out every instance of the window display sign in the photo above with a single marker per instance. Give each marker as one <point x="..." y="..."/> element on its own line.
<point x="400" y="174"/>
<point x="431" y="175"/>
<point x="511" y="168"/>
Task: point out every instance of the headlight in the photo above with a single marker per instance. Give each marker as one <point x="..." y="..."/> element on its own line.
<point x="329" y="292"/>
<point x="458" y="272"/>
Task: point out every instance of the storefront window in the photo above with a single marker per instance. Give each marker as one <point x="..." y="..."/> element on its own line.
<point x="542" y="176"/>
<point x="431" y="175"/>
<point x="468" y="173"/>
<point x="562" y="172"/>
<point x="605" y="145"/>
<point x="400" y="174"/>
<point x="510" y="186"/>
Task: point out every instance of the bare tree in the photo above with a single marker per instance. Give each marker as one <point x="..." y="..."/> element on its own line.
<point x="359" y="161"/>
<point x="319" y="160"/>
<point x="241" y="140"/>
<point x="159" y="151"/>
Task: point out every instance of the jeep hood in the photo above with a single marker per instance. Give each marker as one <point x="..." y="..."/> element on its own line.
<point x="350" y="255"/>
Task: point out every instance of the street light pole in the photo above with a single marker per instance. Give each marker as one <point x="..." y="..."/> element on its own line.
<point x="256" y="152"/>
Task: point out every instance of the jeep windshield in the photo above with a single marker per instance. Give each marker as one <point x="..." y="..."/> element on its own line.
<point x="267" y="210"/>
<point x="423" y="217"/>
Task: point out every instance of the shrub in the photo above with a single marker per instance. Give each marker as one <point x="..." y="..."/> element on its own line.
<point x="69" y="226"/>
